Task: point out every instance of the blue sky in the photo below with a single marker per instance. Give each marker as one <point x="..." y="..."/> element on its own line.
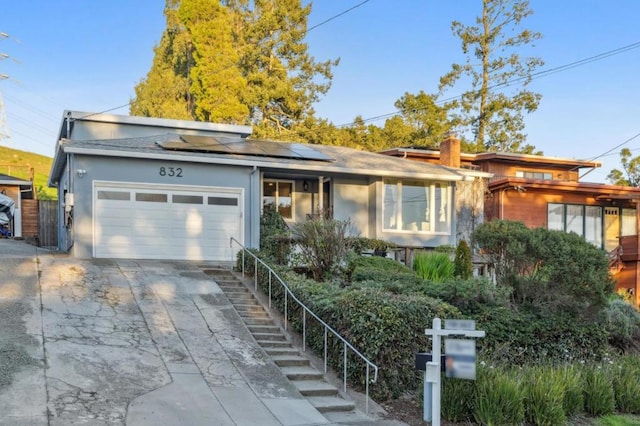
<point x="88" y="56"/>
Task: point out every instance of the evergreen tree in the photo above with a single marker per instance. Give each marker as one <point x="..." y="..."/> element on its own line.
<point x="235" y="61"/>
<point x="494" y="116"/>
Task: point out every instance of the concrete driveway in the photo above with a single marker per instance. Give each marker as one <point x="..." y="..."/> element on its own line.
<point x="105" y="342"/>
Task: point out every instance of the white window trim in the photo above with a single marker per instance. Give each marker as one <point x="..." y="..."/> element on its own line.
<point x="432" y="210"/>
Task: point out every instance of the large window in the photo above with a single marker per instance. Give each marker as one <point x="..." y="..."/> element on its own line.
<point x="585" y="221"/>
<point x="628" y="222"/>
<point x="534" y="175"/>
<point x="411" y="205"/>
<point x="278" y="194"/>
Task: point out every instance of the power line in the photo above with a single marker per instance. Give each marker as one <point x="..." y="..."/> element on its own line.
<point x="336" y="16"/>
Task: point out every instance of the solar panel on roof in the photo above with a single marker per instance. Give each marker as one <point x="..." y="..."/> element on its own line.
<point x="242" y="146"/>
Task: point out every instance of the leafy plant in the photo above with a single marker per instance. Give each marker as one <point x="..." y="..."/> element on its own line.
<point x="626" y="385"/>
<point x="434" y="266"/>
<point x="323" y="244"/>
<point x="572" y="377"/>
<point x="499" y="398"/>
<point x="544" y="391"/>
<point x="458" y="398"/>
<point x="274" y="236"/>
<point x="462" y="264"/>
<point x="599" y="397"/>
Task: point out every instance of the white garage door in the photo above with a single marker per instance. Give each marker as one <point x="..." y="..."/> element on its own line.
<point x="150" y="222"/>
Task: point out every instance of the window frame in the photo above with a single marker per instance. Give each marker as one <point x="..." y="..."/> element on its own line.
<point x="431" y="203"/>
<point x="277" y="196"/>
<point x="566" y="207"/>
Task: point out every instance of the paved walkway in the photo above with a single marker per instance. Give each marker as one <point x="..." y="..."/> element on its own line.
<point x="132" y="343"/>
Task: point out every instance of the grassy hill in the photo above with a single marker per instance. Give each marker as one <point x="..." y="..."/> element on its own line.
<point x="16" y="163"/>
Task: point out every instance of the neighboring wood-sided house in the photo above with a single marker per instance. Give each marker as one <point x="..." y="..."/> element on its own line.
<point x="149" y="188"/>
<point x="550" y="192"/>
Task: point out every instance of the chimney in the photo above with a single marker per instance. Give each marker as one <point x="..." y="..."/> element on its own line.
<point x="450" y="150"/>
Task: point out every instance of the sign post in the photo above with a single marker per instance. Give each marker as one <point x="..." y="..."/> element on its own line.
<point x="459" y="328"/>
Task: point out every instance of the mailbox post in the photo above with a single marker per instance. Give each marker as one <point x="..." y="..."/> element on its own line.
<point x="432" y="375"/>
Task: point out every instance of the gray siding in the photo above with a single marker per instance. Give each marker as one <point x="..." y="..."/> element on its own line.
<point x="351" y="202"/>
<point x="148" y="172"/>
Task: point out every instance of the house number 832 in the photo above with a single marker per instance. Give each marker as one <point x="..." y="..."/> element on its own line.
<point x="171" y="171"/>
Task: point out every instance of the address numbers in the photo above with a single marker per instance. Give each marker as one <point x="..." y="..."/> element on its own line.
<point x="171" y="171"/>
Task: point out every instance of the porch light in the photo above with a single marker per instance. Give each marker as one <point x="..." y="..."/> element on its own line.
<point x="305" y="186"/>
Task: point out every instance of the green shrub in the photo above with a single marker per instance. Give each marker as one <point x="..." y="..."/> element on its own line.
<point x="361" y="244"/>
<point x="599" y="398"/>
<point x="552" y="271"/>
<point x="544" y="391"/>
<point x="499" y="398"/>
<point x="573" y="401"/>
<point x="434" y="266"/>
<point x="275" y="241"/>
<point x="623" y="325"/>
<point x="626" y="385"/>
<point x="469" y="295"/>
<point x="462" y="264"/>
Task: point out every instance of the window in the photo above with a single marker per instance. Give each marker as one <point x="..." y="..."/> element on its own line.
<point x="585" y="221"/>
<point x="187" y="199"/>
<point x="628" y="222"/>
<point x="222" y="201"/>
<point x="151" y="197"/>
<point x="278" y="194"/>
<point x="420" y="206"/>
<point x="534" y="175"/>
<point x="114" y="195"/>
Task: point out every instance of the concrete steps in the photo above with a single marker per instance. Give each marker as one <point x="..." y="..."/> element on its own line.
<point x="308" y="380"/>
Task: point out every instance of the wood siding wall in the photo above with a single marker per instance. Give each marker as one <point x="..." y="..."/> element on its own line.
<point x="47" y="223"/>
<point x="30" y="219"/>
<point x="502" y="170"/>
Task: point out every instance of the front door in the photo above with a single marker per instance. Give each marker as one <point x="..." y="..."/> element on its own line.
<point x="611" y="228"/>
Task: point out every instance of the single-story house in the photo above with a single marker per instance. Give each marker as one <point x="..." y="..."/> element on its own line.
<point x="139" y="187"/>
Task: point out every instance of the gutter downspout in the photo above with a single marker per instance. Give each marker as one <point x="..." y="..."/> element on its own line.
<point x="253" y="195"/>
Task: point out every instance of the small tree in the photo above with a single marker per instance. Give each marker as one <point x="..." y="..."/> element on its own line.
<point x="462" y="265"/>
<point x="323" y="244"/>
<point x="274" y="235"/>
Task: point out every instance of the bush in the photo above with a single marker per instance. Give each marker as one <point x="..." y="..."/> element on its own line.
<point x="434" y="266"/>
<point x="361" y="244"/>
<point x="323" y="245"/>
<point x="553" y="271"/>
<point x="462" y="264"/>
<point x="275" y="241"/>
<point x="469" y="295"/>
<point x="623" y="325"/>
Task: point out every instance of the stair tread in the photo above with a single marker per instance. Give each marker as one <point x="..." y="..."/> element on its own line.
<point x="331" y="403"/>
<point x="292" y="357"/>
<point x="300" y="370"/>
<point x="313" y="385"/>
<point x="281" y="351"/>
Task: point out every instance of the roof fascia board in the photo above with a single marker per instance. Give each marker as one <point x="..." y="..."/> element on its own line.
<point x="449" y="176"/>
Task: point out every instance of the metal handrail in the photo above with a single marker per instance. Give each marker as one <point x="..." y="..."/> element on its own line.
<point x="327" y="328"/>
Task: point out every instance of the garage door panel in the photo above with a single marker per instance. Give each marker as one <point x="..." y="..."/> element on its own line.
<point x="190" y="225"/>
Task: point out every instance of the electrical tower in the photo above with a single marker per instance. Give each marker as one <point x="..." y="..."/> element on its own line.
<point x="4" y="125"/>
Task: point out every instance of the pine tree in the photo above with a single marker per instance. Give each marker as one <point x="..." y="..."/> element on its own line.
<point x="235" y="61"/>
<point x="494" y="116"/>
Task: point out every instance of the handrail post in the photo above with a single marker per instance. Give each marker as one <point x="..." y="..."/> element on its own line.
<point x="304" y="330"/>
<point x="325" y="350"/>
<point x="286" y="293"/>
<point x="243" y="263"/>
<point x="255" y="275"/>
<point x="270" y="289"/>
<point x="366" y="403"/>
<point x="345" y="368"/>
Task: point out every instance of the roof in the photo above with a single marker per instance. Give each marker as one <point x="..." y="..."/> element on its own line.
<point x="510" y="157"/>
<point x="10" y="180"/>
<point x="69" y="117"/>
<point x="346" y="160"/>
<point x="598" y="190"/>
